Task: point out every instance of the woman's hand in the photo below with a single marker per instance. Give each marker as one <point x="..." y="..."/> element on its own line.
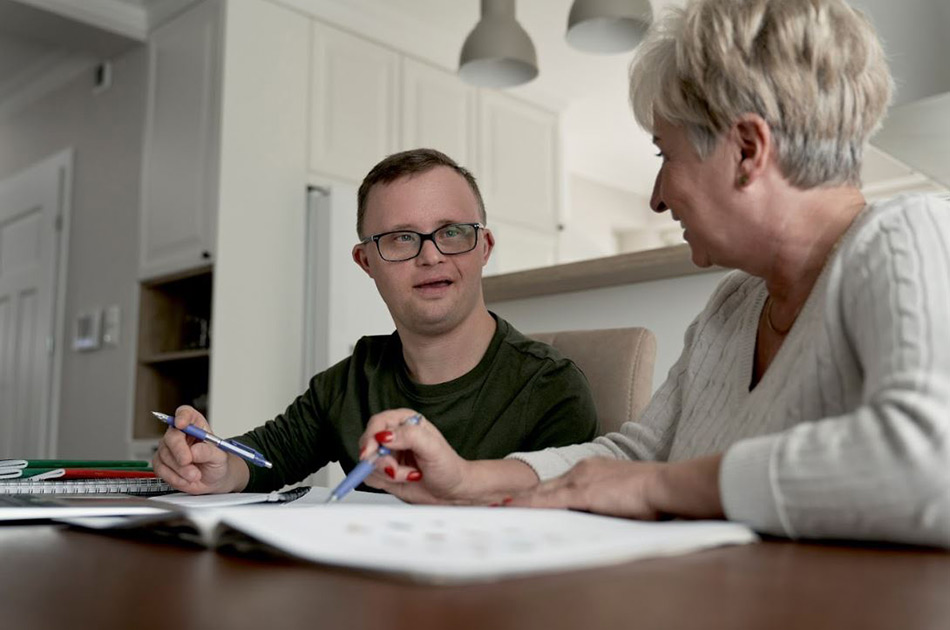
<point x="641" y="490"/>
<point x="424" y="468"/>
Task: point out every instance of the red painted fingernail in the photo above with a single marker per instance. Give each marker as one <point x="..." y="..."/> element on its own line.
<point x="506" y="500"/>
<point x="415" y="475"/>
<point x="391" y="472"/>
<point x="383" y="437"/>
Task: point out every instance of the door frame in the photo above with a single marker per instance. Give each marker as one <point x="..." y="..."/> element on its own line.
<point x="60" y="174"/>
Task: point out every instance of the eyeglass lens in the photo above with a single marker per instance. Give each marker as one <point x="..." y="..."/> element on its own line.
<point x="451" y="239"/>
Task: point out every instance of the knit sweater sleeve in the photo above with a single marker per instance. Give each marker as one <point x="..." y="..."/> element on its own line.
<point x="650" y="437"/>
<point x="882" y="470"/>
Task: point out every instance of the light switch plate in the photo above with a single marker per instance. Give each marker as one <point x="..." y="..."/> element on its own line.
<point x="111" y="325"/>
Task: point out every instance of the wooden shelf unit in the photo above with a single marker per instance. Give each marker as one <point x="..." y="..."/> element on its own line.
<point x="174" y="348"/>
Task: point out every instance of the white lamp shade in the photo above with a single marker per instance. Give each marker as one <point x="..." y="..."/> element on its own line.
<point x="498" y="53"/>
<point x="608" y="26"/>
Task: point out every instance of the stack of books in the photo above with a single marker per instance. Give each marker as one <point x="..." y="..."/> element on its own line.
<point x="62" y="476"/>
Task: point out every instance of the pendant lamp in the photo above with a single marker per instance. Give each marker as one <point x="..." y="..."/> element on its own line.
<point x="498" y="52"/>
<point x="608" y="26"/>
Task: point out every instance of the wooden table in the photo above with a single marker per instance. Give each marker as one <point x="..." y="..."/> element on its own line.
<point x="55" y="578"/>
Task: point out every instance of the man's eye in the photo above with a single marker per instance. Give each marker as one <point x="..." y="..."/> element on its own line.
<point x="452" y="232"/>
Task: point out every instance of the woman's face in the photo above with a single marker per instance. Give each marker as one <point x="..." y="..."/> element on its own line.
<point x="697" y="192"/>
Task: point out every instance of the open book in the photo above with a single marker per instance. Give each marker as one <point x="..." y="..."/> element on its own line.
<point x="437" y="543"/>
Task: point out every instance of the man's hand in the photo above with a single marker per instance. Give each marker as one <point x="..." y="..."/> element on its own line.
<point x="193" y="466"/>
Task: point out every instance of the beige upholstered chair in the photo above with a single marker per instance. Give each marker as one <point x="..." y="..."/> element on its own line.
<point x="618" y="364"/>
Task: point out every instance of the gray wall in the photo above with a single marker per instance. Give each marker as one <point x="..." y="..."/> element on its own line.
<point x="106" y="134"/>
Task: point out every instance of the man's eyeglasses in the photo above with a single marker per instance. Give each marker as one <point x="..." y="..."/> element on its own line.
<point x="456" y="238"/>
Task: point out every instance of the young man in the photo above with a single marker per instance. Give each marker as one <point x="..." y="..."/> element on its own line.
<point x="490" y="390"/>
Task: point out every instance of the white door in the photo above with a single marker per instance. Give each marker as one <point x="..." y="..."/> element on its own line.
<point x="30" y="240"/>
<point x="342" y="303"/>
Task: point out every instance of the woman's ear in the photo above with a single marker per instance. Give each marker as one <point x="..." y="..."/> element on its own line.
<point x="753" y="138"/>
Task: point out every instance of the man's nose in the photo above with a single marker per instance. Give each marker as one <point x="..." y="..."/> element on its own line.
<point x="429" y="254"/>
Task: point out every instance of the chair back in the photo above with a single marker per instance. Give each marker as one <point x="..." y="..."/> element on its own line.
<point x="618" y="364"/>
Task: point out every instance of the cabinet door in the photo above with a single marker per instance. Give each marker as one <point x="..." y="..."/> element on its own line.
<point x="438" y="112"/>
<point x="179" y="178"/>
<point x="354" y="103"/>
<point x="518" y="248"/>
<point x="518" y="172"/>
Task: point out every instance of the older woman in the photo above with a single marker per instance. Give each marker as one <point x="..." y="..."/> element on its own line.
<point x="812" y="398"/>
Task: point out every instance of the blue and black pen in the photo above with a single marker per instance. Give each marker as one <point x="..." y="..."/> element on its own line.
<point x="365" y="468"/>
<point x="228" y="446"/>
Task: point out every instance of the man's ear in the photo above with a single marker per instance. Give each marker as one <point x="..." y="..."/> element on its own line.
<point x="489" y="244"/>
<point x="754" y="147"/>
<point x="360" y="258"/>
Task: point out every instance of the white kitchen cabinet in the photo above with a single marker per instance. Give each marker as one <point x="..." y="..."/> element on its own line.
<point x="354" y="103"/>
<point x="518" y="248"/>
<point x="519" y="176"/>
<point x="180" y="164"/>
<point x="438" y="111"/>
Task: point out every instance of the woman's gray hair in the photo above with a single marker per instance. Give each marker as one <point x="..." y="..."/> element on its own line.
<point x="813" y="69"/>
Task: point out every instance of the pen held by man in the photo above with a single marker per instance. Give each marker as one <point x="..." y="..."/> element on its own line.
<point x="194" y="466"/>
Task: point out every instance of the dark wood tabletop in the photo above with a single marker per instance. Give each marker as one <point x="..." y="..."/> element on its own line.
<point x="57" y="578"/>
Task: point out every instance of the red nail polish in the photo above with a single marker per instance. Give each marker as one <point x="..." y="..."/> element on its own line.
<point x="506" y="500"/>
<point x="494" y="504"/>
<point x="383" y="437"/>
<point x="415" y="475"/>
<point x="391" y="472"/>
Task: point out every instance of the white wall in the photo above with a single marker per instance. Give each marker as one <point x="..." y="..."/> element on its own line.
<point x="105" y="130"/>
<point x="259" y="267"/>
<point x="664" y="306"/>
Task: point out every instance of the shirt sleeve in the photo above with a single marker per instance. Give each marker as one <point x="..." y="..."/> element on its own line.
<point x="297" y="442"/>
<point x="881" y="471"/>
<point x="561" y="399"/>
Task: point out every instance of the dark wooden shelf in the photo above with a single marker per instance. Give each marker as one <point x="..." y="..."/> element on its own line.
<point x="178" y="355"/>
<point x="174" y="313"/>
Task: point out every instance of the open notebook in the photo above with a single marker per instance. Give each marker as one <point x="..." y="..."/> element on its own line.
<point x="436" y="543"/>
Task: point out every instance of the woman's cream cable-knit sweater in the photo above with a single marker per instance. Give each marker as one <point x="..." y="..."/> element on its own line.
<point x="847" y="434"/>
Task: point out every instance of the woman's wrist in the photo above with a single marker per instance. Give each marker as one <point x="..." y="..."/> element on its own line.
<point x="688" y="489"/>
<point x="493" y="480"/>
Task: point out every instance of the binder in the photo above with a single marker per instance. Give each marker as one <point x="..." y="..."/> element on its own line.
<point x="142" y="486"/>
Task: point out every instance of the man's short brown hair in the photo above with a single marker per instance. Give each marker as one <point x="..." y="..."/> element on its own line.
<point x="407" y="164"/>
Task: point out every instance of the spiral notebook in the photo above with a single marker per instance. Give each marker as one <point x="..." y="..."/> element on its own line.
<point x="145" y="486"/>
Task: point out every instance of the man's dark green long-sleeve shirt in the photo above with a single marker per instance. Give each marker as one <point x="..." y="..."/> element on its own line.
<point x="522" y="396"/>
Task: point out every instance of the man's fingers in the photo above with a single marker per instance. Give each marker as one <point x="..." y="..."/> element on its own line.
<point x="186" y="415"/>
<point x="166" y="468"/>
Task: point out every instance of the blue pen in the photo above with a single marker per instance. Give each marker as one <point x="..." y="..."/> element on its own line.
<point x="365" y="468"/>
<point x="228" y="446"/>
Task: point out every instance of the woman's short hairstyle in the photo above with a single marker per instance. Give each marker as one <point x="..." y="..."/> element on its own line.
<point x="407" y="164"/>
<point x="813" y="69"/>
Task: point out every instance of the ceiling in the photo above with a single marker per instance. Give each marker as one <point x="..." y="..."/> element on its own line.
<point x="601" y="140"/>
